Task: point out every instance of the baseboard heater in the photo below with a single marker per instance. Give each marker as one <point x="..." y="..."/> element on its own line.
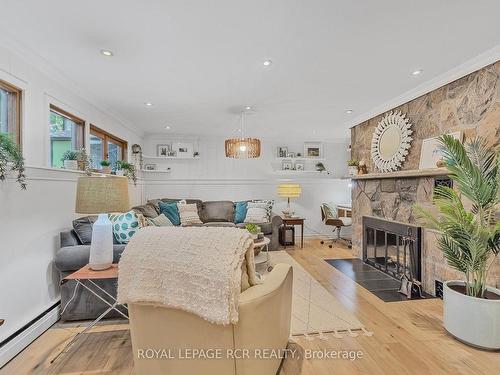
<point x="24" y="336"/>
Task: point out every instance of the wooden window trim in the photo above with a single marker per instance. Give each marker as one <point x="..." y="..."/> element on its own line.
<point x="107" y="137"/>
<point x="77" y="120"/>
<point x="14" y="89"/>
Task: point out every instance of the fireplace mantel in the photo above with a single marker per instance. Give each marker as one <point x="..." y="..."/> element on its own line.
<point x="402" y="174"/>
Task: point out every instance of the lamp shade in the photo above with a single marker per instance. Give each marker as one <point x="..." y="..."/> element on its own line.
<point x="289" y="190"/>
<point x="101" y="194"/>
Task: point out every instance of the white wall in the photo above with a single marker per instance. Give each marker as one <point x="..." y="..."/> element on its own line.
<point x="31" y="220"/>
<point x="215" y="177"/>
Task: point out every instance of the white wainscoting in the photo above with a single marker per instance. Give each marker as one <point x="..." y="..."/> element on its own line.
<point x="30" y="222"/>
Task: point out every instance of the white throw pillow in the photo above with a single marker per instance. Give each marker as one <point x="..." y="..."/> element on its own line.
<point x="256" y="213"/>
<point x="159" y="221"/>
<point x="188" y="214"/>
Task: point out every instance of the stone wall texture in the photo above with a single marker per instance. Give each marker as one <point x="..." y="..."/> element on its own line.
<point x="470" y="104"/>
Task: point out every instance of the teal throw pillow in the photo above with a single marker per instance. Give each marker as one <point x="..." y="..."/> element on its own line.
<point x="171" y="211"/>
<point x="240" y="212"/>
<point x="125" y="225"/>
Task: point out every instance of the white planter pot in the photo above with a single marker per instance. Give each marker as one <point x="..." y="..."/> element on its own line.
<point x="475" y="321"/>
<point x="120" y="172"/>
<point x="106" y="170"/>
<point x="352" y="170"/>
<point x="71" y="164"/>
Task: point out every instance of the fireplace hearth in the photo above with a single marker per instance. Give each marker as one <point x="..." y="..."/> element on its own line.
<point x="393" y="247"/>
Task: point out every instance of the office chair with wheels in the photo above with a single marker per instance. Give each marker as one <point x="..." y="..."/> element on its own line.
<point x="338" y="217"/>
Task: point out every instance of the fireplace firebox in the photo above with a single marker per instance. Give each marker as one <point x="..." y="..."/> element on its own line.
<point x="392" y="247"/>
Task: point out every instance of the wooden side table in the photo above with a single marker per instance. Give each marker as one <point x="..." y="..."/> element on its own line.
<point x="291" y="221"/>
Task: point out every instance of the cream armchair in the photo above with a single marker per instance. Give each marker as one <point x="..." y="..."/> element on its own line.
<point x="264" y="323"/>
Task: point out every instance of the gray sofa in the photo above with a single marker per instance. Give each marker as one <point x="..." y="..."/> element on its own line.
<point x="75" y="248"/>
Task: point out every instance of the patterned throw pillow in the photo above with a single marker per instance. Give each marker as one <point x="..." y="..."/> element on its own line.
<point x="159" y="221"/>
<point x="188" y="213"/>
<point x="269" y="207"/>
<point x="125" y="225"/>
<point x="256" y="213"/>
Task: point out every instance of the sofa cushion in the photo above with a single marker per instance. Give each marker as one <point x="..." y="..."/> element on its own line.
<point x="147" y="210"/>
<point x="266" y="228"/>
<point x="219" y="224"/>
<point x="125" y="225"/>
<point x="240" y="212"/>
<point x="171" y="211"/>
<point x="269" y="206"/>
<point x="72" y="258"/>
<point x="256" y="212"/>
<point x="188" y="213"/>
<point x="159" y="221"/>
<point x="83" y="229"/>
<point x="156" y="202"/>
<point x="217" y="211"/>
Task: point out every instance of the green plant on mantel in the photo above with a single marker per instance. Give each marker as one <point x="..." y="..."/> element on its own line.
<point x="105" y="163"/>
<point x="470" y="238"/>
<point x="128" y="168"/>
<point x="11" y="159"/>
<point x="352" y="163"/>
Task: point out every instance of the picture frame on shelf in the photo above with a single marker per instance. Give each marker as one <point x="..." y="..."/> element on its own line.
<point x="287" y="165"/>
<point x="282" y="151"/>
<point x="430" y="151"/>
<point x="150" y="167"/>
<point x="184" y="149"/>
<point x="290" y="155"/>
<point x="163" y="150"/>
<point x="299" y="166"/>
<point x="313" y="150"/>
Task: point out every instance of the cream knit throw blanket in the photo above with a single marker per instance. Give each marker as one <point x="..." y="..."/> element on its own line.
<point x="195" y="269"/>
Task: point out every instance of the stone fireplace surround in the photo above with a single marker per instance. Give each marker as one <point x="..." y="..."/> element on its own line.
<point x="471" y="105"/>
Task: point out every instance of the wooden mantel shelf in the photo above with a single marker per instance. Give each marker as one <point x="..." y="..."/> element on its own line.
<point x="403" y="174"/>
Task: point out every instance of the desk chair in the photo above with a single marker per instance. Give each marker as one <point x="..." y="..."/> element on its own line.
<point x="338" y="217"/>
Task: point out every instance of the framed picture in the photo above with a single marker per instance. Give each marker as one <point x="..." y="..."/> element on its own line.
<point x="150" y="167"/>
<point x="290" y="155"/>
<point x="282" y="152"/>
<point x="287" y="165"/>
<point x="184" y="149"/>
<point x="313" y="150"/>
<point x="430" y="152"/>
<point x="299" y="165"/>
<point x="163" y="150"/>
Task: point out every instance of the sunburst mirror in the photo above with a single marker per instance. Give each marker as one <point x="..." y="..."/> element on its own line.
<point x="391" y="142"/>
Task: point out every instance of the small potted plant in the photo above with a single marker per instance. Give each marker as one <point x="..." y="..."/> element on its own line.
<point x="70" y="160"/>
<point x="11" y="159"/>
<point x="126" y="169"/>
<point x="106" y="166"/>
<point x="352" y="167"/>
<point x="254" y="230"/>
<point x="470" y="239"/>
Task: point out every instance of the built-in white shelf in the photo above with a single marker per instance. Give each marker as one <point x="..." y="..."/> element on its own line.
<point x="170" y="157"/>
<point x="156" y="171"/>
<point x="302" y="159"/>
<point x="287" y="172"/>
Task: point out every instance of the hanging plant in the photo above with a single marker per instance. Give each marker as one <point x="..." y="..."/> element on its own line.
<point x="11" y="159"/>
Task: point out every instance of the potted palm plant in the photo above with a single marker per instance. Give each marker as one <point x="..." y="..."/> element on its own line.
<point x="469" y="239"/>
<point x="11" y="158"/>
<point x="70" y="160"/>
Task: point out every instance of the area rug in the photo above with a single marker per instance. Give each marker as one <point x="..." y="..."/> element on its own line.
<point x="315" y="312"/>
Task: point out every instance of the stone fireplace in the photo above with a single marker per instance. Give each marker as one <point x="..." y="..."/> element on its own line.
<point x="470" y="105"/>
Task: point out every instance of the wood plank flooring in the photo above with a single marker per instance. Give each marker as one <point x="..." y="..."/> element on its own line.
<point x="408" y="337"/>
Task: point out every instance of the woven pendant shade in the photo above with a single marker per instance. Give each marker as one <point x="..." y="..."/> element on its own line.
<point x="242" y="148"/>
<point x="99" y="194"/>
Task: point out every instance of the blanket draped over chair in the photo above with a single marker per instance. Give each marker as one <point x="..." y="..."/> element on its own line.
<point x="195" y="269"/>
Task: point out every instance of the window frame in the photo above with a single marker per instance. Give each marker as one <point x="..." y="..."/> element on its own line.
<point x="77" y="120"/>
<point x="108" y="137"/>
<point x="19" y="100"/>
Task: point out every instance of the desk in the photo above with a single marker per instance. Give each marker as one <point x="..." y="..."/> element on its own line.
<point x="291" y="221"/>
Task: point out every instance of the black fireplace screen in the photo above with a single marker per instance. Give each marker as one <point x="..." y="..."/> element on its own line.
<point x="392" y="247"/>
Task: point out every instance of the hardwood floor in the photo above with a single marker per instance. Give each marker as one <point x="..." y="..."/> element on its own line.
<point x="408" y="337"/>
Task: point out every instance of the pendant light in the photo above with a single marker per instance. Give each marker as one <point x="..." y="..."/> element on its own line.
<point x="242" y="148"/>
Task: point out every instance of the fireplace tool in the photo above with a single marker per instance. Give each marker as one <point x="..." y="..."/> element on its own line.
<point x="408" y="282"/>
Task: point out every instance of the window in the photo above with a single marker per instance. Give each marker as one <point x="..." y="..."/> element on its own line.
<point x="104" y="146"/>
<point x="10" y="110"/>
<point x="66" y="133"/>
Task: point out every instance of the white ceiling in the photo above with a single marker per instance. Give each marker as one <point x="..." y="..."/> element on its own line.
<point x="200" y="61"/>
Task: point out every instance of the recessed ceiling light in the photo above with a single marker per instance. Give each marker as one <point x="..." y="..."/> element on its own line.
<point x="148" y="104"/>
<point x="417" y="72"/>
<point x="349" y="111"/>
<point x="248" y="108"/>
<point x="167" y="127"/>
<point x="267" y="62"/>
<point x="107" y="52"/>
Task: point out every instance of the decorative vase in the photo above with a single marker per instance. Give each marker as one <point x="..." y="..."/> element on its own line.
<point x="352" y="170"/>
<point x="71" y="164"/>
<point x="101" y="247"/>
<point x="474" y="321"/>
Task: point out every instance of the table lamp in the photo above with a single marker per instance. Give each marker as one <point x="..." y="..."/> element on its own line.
<point x="289" y="191"/>
<point x="101" y="195"/>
